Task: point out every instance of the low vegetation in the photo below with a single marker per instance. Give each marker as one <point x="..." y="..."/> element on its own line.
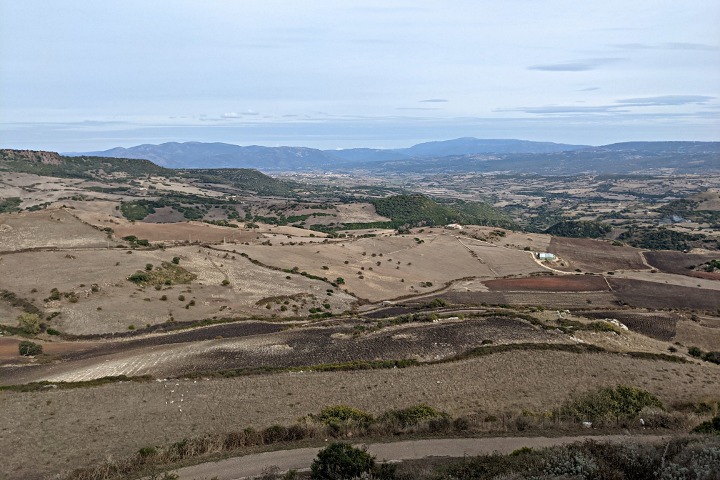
<point x="666" y="239"/>
<point x="27" y="348"/>
<point x="167" y="274"/>
<point x="344" y="422"/>
<point x="579" y="229"/>
<point x="419" y="210"/>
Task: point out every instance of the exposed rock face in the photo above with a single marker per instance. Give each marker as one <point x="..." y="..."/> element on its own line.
<point x="47" y="158"/>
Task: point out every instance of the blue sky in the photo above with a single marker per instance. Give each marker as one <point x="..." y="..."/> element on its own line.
<point x="89" y="75"/>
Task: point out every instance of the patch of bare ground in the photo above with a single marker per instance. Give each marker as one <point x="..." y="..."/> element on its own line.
<point x="46" y="229"/>
<point x="356" y="213"/>
<point x="553" y="300"/>
<point x="184" y="232"/>
<point x="98" y="212"/>
<point x="595" y="255"/>
<point x="119" y="419"/>
<point x="303" y="233"/>
<point x="575" y="283"/>
<point x="643" y="294"/>
<point x="702" y="332"/>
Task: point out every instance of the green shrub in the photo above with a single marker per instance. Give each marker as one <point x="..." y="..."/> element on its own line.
<point x="710" y="427"/>
<point x="27" y="348"/>
<point x="695" y="352"/>
<point x="622" y="401"/>
<point x="139" y="277"/>
<point x="409" y="416"/>
<point x="341" y="461"/>
<point x="335" y="414"/>
<point x="29" y="323"/>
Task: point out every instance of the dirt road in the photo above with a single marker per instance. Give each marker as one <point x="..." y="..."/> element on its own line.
<point x="253" y="465"/>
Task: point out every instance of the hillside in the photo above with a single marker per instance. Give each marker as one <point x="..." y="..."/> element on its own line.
<point x="98" y="168"/>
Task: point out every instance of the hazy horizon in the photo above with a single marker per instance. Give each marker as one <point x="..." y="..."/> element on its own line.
<point x="89" y="76"/>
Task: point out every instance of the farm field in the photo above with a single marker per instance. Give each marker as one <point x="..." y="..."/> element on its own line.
<point x="263" y="345"/>
<point x="595" y="256"/>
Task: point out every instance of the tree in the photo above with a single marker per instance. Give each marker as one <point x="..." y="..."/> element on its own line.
<point x="27" y="348"/>
<point x="29" y="322"/>
<point x="340" y="461"/>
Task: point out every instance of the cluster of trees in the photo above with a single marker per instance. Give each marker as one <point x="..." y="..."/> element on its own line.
<point x="666" y="239"/>
<point x="579" y="229"/>
<point x="416" y="210"/>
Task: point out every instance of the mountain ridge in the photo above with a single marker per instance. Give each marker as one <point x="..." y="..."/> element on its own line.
<point x="457" y="155"/>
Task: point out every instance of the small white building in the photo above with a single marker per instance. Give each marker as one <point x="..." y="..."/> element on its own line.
<point x="546" y="256"/>
<point x="454" y="226"/>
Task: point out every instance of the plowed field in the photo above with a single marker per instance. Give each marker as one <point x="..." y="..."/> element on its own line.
<point x="595" y="256"/>
<point x="575" y="283"/>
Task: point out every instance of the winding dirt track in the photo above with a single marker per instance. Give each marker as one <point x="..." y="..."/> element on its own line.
<point x="253" y="465"/>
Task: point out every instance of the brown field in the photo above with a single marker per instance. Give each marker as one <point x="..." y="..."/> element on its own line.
<point x="658" y="295"/>
<point x="681" y="263"/>
<point x="575" y="283"/>
<point x="700" y="331"/>
<point x="356" y="213"/>
<point x="440" y="258"/>
<point x="553" y="300"/>
<point x="118" y="303"/>
<point x="657" y="325"/>
<point x="45" y="229"/>
<point x="185" y="232"/>
<point x="119" y="419"/>
<point x="292" y="348"/>
<point x="595" y="255"/>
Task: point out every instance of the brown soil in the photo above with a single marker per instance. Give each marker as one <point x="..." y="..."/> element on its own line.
<point x="52" y="228"/>
<point x="595" y="256"/>
<point x="575" y="283"/>
<point x="682" y="263"/>
<point x="185" y="231"/>
<point x="658" y="295"/>
<point x="551" y="300"/>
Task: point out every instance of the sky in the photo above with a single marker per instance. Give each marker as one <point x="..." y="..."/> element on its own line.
<point x="84" y="75"/>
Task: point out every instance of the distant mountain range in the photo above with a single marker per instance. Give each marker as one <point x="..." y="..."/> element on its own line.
<point x="458" y="155"/>
<point x="225" y="155"/>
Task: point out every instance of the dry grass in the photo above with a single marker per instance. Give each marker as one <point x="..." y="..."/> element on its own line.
<point x="55" y="437"/>
<point x="46" y="228"/>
